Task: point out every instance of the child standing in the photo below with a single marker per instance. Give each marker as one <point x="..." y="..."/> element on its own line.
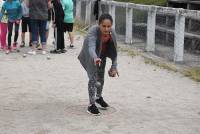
<point x="3" y="26"/>
<point x="69" y="20"/>
<point x="13" y="9"/>
<point x="25" y="22"/>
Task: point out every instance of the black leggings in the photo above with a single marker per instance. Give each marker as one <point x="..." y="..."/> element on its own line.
<point x="10" y="28"/>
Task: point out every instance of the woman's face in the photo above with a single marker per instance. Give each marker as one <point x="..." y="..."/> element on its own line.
<point x="105" y="26"/>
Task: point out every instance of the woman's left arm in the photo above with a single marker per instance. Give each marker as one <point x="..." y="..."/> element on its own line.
<point x="114" y="60"/>
<point x="113" y="70"/>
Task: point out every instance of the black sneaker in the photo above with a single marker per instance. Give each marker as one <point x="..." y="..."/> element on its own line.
<point x="63" y="51"/>
<point x="22" y="44"/>
<point x="93" y="110"/>
<point x="30" y="44"/>
<point x="71" y="45"/>
<point x="55" y="51"/>
<point x="102" y="103"/>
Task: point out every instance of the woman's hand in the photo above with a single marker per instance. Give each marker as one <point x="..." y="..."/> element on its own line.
<point x="53" y="25"/>
<point x="97" y="61"/>
<point x="113" y="72"/>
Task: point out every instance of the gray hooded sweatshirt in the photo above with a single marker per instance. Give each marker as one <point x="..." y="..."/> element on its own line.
<point x="91" y="50"/>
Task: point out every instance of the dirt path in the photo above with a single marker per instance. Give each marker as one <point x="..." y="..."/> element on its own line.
<point x="41" y="96"/>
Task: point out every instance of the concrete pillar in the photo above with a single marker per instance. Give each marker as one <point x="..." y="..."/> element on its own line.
<point x="109" y="8"/>
<point x="78" y="9"/>
<point x="129" y="26"/>
<point x="112" y="12"/>
<point x="88" y="12"/>
<point x="179" y="37"/>
<point x="151" y="28"/>
<point x="100" y="9"/>
<point x="190" y="21"/>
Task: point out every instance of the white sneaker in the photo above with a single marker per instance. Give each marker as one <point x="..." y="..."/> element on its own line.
<point x="7" y="51"/>
<point x="44" y="52"/>
<point x="32" y="52"/>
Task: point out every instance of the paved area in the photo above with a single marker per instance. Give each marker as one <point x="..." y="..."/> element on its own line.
<point x="49" y="96"/>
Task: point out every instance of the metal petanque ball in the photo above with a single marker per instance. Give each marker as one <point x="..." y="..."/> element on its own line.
<point x="48" y="57"/>
<point x="24" y="55"/>
<point x="98" y="84"/>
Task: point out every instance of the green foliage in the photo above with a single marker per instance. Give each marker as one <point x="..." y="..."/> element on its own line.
<point x="147" y="2"/>
<point x="130" y="52"/>
<point x="193" y="73"/>
<point x="160" y="64"/>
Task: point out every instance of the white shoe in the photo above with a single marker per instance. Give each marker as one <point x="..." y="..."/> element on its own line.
<point x="32" y="52"/>
<point x="7" y="51"/>
<point x="44" y="52"/>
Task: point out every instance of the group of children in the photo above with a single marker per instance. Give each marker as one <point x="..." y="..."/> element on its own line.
<point x="10" y="15"/>
<point x="16" y="12"/>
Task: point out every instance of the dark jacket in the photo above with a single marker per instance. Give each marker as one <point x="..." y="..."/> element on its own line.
<point x="58" y="13"/>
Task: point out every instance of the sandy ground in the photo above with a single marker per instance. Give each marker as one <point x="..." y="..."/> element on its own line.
<point x="41" y="96"/>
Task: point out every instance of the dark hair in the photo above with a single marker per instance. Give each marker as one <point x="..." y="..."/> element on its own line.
<point x="105" y="16"/>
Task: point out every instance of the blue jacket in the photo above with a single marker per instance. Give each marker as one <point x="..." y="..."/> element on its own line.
<point x="13" y="9"/>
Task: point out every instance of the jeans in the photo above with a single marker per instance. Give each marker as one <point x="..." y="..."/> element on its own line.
<point x="38" y="27"/>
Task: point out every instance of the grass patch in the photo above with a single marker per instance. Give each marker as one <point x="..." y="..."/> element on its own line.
<point x="80" y="26"/>
<point x="130" y="52"/>
<point x="193" y="73"/>
<point x="121" y="49"/>
<point x="147" y="60"/>
<point x="163" y="65"/>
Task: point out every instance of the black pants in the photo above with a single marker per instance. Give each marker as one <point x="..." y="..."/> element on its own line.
<point x="59" y="36"/>
<point x="10" y="28"/>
